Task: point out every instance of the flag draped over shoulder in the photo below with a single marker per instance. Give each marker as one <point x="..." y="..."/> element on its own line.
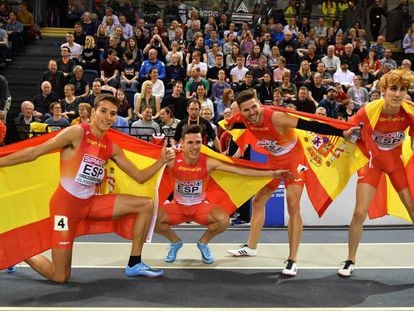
<point x="26" y="189"/>
<point x="331" y="160"/>
<point x="386" y="200"/>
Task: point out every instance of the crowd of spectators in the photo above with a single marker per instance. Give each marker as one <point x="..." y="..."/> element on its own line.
<point x="191" y="70"/>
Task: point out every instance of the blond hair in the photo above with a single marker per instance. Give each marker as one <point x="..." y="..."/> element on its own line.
<point x="399" y="77"/>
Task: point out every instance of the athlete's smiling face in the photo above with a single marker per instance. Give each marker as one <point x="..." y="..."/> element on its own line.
<point x="191" y="145"/>
<point x="251" y="110"/>
<point x="104" y="115"/>
<point x="394" y="95"/>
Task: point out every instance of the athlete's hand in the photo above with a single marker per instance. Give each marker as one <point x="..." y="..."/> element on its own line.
<point x="352" y="134"/>
<point x="167" y="153"/>
<point x="283" y="174"/>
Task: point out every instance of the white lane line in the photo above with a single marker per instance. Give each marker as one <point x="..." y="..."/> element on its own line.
<point x="260" y="244"/>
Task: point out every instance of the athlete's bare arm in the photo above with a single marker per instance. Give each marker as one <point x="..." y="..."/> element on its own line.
<point x="140" y="175"/>
<point x="213" y="164"/>
<point x="67" y="138"/>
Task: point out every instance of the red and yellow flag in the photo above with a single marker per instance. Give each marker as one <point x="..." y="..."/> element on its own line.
<point x="26" y="188"/>
<point x="331" y="160"/>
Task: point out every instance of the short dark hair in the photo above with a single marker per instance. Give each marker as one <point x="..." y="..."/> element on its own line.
<point x="193" y="100"/>
<point x="245" y="96"/>
<point x="192" y="129"/>
<point x="109" y="97"/>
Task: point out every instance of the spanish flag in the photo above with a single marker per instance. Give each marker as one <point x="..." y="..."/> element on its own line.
<point x="386" y="200"/>
<point x="26" y="188"/>
<point x="330" y="160"/>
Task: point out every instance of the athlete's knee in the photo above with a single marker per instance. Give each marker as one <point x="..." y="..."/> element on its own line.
<point x="61" y="277"/>
<point x="146" y="207"/>
<point x="360" y="214"/>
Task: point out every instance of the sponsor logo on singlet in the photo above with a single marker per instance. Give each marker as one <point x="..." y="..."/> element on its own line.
<point x="388" y="141"/>
<point x="91" y="171"/>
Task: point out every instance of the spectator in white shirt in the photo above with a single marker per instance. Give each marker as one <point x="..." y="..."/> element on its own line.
<point x="344" y="76"/>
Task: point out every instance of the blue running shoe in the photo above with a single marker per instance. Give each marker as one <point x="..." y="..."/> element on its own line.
<point x="11" y="269"/>
<point x="172" y="251"/>
<point x="141" y="269"/>
<point x="206" y="256"/>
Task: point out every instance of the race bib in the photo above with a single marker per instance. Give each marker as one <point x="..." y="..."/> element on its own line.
<point x="91" y="171"/>
<point x="189" y="192"/>
<point x="273" y="148"/>
<point x="61" y="223"/>
<point x="388" y="141"/>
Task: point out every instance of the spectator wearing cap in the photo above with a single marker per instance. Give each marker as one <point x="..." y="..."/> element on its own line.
<point x="330" y="103"/>
<point x="344" y="76"/>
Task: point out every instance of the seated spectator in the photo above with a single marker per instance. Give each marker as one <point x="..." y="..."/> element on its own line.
<point x="321" y="111"/>
<point x="252" y="60"/>
<point x="247" y="83"/>
<point x="360" y="50"/>
<point x="156" y="43"/>
<point x="147" y="99"/>
<point x="56" y="122"/>
<point x="207" y="114"/>
<point x="129" y="73"/>
<point x="201" y="96"/>
<point x="168" y="122"/>
<point x="42" y="101"/>
<point x="211" y="56"/>
<point x="115" y="45"/>
<point x="218" y="87"/>
<point x="96" y="90"/>
<point x="127" y="30"/>
<point x="196" y="63"/>
<point x="56" y="78"/>
<point x="379" y="47"/>
<point x="259" y="71"/>
<point x="344" y="76"/>
<point x="304" y="102"/>
<point x="326" y="76"/>
<point x="231" y="59"/>
<point x="158" y="88"/>
<point x="70" y="103"/>
<point x="110" y="69"/>
<point x="374" y="64"/>
<point x="352" y="59"/>
<point x="151" y="62"/>
<point x="367" y="77"/>
<point x="125" y="109"/>
<point x="303" y="75"/>
<point x="193" y="82"/>
<point x="329" y="103"/>
<point x="357" y="93"/>
<point x="176" y="102"/>
<point x="90" y="54"/>
<point x="288" y="47"/>
<point x="65" y="63"/>
<point x="238" y="73"/>
<point x="32" y="31"/>
<point x="277" y="98"/>
<point x="348" y="108"/>
<point x="175" y="49"/>
<point x="287" y="88"/>
<point x="387" y="59"/>
<point x="280" y="70"/>
<point x="374" y="94"/>
<point x="332" y="63"/>
<point x="84" y="112"/>
<point x="78" y="34"/>
<point x="88" y="26"/>
<point x="227" y="100"/>
<point x="131" y="45"/>
<point x="146" y="126"/>
<point x="265" y="89"/>
<point x="273" y="59"/>
<point x="82" y="88"/>
<point x="14" y="31"/>
<point x="175" y="71"/>
<point x="23" y="120"/>
<point x="316" y="89"/>
<point x="212" y="73"/>
<point x="75" y="48"/>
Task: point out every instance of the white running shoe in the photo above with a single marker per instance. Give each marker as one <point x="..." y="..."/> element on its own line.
<point x="291" y="268"/>
<point x="346" y="269"/>
<point x="243" y="250"/>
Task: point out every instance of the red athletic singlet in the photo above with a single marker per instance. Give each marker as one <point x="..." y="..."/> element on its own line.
<point x="86" y="169"/>
<point x="190" y="181"/>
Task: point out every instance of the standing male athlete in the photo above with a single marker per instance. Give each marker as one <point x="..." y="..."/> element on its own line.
<point x="275" y="132"/>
